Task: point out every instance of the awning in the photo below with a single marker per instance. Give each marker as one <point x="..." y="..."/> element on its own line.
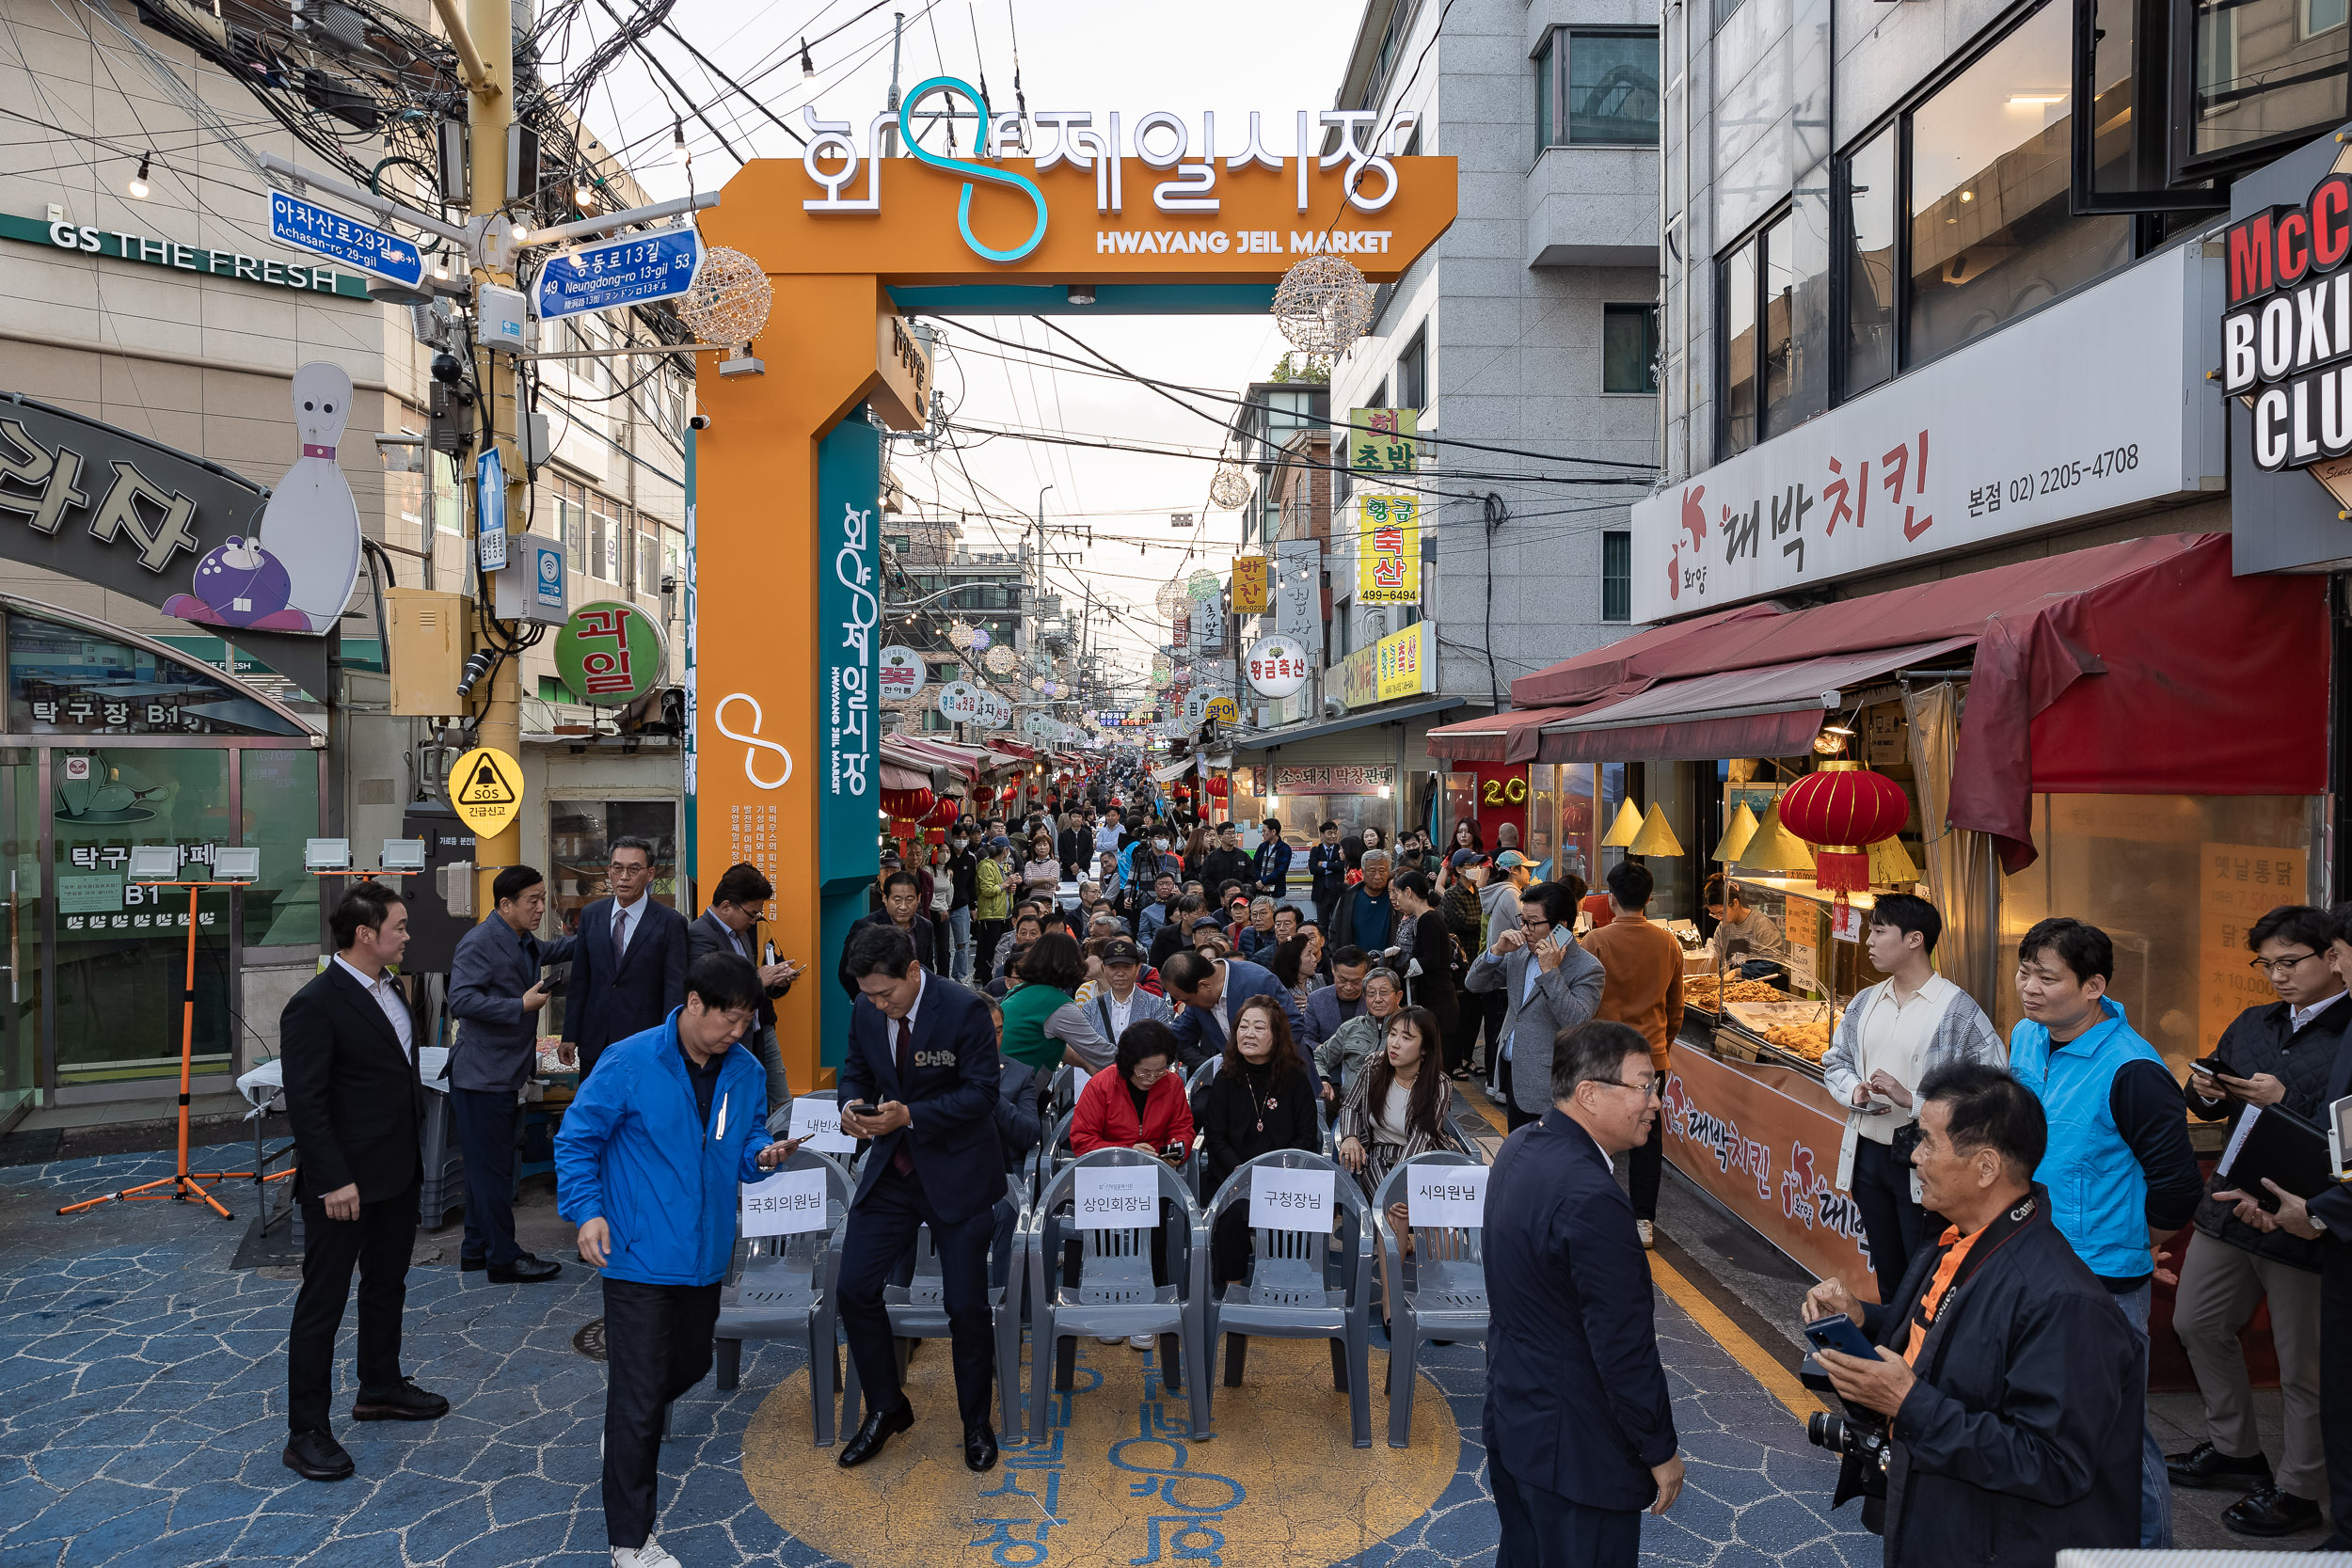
<point x="1395" y="713"/>
<point x="915" y="751"/>
<point x="1770" y="712"/>
<point x="1508" y="736"/>
<point x="896" y="777"/>
<point x="1174" y="770"/>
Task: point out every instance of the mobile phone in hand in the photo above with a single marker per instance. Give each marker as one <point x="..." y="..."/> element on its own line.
<point x="1838" y="1332"/>
<point x="863" y="1108"/>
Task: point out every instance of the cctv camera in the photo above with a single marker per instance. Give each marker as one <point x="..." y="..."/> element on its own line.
<point x="699" y="422"/>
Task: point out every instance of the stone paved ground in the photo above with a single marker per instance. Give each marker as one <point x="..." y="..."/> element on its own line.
<point x="142" y="1409"/>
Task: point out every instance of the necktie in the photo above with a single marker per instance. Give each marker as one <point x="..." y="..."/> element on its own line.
<point x="620" y="932"/>
<point x="902" y="1162"/>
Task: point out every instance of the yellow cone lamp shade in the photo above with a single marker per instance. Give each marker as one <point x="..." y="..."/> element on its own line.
<point x="1656" y="837"/>
<point x="1775" y="851"/>
<point x="1621" y="833"/>
<point x="1737" y="833"/>
<point x="1890" y="863"/>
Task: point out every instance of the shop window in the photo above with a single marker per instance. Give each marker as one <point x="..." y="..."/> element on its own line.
<point x="1629" y="348"/>
<point x="279" y="803"/>
<point x="1737" y="291"/>
<point x="2264" y="69"/>
<point x="1991" y="236"/>
<point x="1775" y="289"/>
<point x="64" y="681"/>
<point x="1412" y="372"/>
<point x="120" y="959"/>
<point x="1597" y="87"/>
<point x="1869" y="196"/>
<point x="2214" y="863"/>
<point x="1616" y="576"/>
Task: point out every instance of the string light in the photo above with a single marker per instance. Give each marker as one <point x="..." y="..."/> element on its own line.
<point x="138" y="182"/>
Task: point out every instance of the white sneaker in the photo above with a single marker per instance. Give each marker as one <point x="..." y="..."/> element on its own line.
<point x="1643" y="1226"/>
<point x="651" y="1555"/>
<point x="1107" y="1339"/>
<point x="1138" y="1341"/>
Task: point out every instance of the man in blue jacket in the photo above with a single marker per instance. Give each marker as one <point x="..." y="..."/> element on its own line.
<point x="1580" y="1428"/>
<point x="647" y="1166"/>
<point x="2119" y="1170"/>
<point x="920" y="1080"/>
<point x="496" y="992"/>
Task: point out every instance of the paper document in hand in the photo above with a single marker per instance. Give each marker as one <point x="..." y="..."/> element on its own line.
<point x="819" y="1122"/>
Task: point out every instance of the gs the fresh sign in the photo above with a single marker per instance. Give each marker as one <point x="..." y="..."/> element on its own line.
<point x="2287" y="331"/>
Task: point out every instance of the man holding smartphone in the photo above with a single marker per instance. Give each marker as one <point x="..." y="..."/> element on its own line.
<point x="733" y="925"/>
<point x="2274" y="1055"/>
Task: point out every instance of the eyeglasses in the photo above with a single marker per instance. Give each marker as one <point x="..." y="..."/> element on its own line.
<point x="2280" y="966"/>
<point x="1653" y="1090"/>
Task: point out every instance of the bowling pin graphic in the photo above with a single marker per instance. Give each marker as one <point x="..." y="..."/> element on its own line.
<point x="311" y="524"/>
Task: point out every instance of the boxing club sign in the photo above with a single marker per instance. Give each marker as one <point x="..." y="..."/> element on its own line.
<point x="2286" y="334"/>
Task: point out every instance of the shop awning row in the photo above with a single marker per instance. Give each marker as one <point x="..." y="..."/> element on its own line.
<point x="2142" y="667"/>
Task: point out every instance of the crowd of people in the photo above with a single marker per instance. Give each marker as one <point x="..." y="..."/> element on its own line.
<point x="1220" y="1018"/>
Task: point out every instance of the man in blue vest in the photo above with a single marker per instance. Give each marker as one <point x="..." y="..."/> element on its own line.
<point x="2119" y="1168"/>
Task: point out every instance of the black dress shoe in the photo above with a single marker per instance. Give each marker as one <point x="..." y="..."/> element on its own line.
<point x="980" y="1447"/>
<point x="404" y="1401"/>
<point x="877" y="1429"/>
<point x="2206" y="1466"/>
<point x="473" y="1265"/>
<point x="526" y="1269"/>
<point x="2268" y="1511"/>
<point x="316" y="1456"/>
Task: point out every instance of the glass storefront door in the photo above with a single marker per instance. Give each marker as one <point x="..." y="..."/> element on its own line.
<point x="20" y="937"/>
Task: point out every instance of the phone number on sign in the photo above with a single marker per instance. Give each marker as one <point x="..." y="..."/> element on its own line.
<point x="2065" y="476"/>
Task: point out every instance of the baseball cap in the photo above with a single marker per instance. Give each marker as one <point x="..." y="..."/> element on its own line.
<point x="1207" y="922"/>
<point x="1000" y="842"/>
<point x="1118" y="950"/>
<point x="1462" y="858"/>
<point x="1510" y="860"/>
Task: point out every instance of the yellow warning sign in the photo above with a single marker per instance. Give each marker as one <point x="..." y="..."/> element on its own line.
<point x="486" y="787"/>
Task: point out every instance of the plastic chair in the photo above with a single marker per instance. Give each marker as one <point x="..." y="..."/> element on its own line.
<point x="781" y="1286"/>
<point x="1114" y="1293"/>
<point x="1443" y="1296"/>
<point x="1300" y="1287"/>
<point x="918" y="1311"/>
<point x="1202" y="1073"/>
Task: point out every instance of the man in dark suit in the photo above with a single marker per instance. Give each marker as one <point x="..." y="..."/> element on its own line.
<point x="922" y="1061"/>
<point x="732" y="925"/>
<point x="1212" y="990"/>
<point x="902" y="906"/>
<point x="1580" y="1432"/>
<point x="496" y="994"/>
<point x="352" y="1095"/>
<point x="629" y="972"/>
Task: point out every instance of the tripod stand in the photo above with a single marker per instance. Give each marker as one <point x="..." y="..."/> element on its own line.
<point x="184" y="1185"/>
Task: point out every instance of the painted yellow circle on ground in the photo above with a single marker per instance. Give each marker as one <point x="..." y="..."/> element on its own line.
<point x="1118" y="1481"/>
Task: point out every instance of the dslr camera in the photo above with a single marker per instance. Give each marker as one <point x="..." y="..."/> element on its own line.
<point x="1861" y="1440"/>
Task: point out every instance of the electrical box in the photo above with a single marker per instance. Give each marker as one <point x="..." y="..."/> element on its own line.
<point x="504" y="320"/>
<point x="522" y="161"/>
<point x="434" y="925"/>
<point x="456" y="155"/>
<point x="428" y="632"/>
<point x="534" y="441"/>
<point x="529" y="587"/>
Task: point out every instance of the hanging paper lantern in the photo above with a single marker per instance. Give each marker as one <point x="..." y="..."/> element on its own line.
<point x="907" y="804"/>
<point x="936" y="835"/>
<point x="1840" y="810"/>
<point x="1217" y="788"/>
<point x="943" y="812"/>
<point x="984" y="794"/>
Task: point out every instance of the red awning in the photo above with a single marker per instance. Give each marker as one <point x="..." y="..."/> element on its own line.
<point x="1494" y="736"/>
<point x="2207" y="683"/>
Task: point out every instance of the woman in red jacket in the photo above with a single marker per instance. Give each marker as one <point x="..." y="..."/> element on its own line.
<point x="1139" y="1103"/>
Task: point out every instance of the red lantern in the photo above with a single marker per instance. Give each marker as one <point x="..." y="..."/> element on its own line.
<point x="1218" y="788"/>
<point x="983" y="794"/>
<point x="937" y="835"/>
<point x="943" y="814"/>
<point x="1840" y="810"/>
<point x="907" y="803"/>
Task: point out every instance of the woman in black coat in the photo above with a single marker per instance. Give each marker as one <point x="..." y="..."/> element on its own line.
<point x="1427" y="960"/>
<point x="1262" y="1099"/>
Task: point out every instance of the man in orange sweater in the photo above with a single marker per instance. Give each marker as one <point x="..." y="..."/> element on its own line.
<point x="1642" y="963"/>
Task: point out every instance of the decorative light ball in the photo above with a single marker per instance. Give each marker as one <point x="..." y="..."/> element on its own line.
<point x="730" y="300"/>
<point x="1000" y="660"/>
<point x="1323" y="305"/>
<point x="1170" y="597"/>
<point x="1037" y="683"/>
<point x="980" y="640"/>
<point x="1202" y="585"/>
<point x="1161" y="668"/>
<point x="1840" y="810"/>
<point x="1230" y="489"/>
<point x="960" y="634"/>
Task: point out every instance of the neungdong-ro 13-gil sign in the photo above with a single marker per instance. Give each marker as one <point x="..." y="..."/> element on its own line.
<point x="2288" y="333"/>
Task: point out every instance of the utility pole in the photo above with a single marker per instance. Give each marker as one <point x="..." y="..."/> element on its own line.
<point x="489" y="24"/>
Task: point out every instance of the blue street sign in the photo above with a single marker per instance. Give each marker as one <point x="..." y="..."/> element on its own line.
<point x="489" y="488"/>
<point x="632" y="269"/>
<point x="343" y="239"/>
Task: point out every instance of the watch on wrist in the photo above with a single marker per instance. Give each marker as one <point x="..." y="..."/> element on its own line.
<point x="2317" y="1224"/>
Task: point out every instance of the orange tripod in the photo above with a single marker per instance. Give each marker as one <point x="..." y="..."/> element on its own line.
<point x="184" y="1185"/>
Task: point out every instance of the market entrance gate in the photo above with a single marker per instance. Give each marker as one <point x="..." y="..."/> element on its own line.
<point x="785" y="608"/>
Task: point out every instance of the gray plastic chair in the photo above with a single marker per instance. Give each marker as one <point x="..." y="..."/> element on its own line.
<point x="918" y="1311"/>
<point x="1114" y="1293"/>
<point x="1301" y="1286"/>
<point x="789" y="1287"/>
<point x="1441" y="1289"/>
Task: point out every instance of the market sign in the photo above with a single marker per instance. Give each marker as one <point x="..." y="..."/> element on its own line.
<point x="1399" y="665"/>
<point x="1250" y="586"/>
<point x="117" y="510"/>
<point x="2286" y="334"/>
<point x="960" y="703"/>
<point x="1958" y="453"/>
<point x="1277" y="667"/>
<point x="849" y="615"/>
<point x="1299" y="593"/>
<point x="611" y="653"/>
<point x="1388" y="550"/>
<point x="902" y="675"/>
<point x="1336" y="779"/>
<point x="1382" y="440"/>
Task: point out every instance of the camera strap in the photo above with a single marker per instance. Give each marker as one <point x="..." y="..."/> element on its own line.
<point x="1962" y="1257"/>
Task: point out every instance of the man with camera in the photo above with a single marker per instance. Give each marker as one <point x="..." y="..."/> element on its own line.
<point x="2000" y="1420"/>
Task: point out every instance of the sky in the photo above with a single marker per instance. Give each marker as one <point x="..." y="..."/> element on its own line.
<point x="1230" y="55"/>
